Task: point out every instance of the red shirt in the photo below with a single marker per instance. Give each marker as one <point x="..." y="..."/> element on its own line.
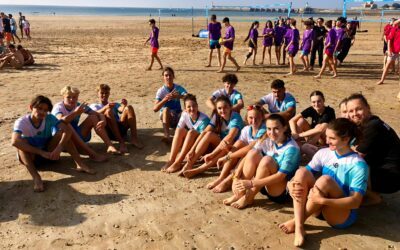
<point x="394" y="38"/>
<point x="386" y="30"/>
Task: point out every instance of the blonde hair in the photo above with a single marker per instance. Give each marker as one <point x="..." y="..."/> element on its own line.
<point x="67" y="90"/>
<point x="103" y="86"/>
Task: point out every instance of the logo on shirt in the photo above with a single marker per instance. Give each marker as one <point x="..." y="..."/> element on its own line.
<point x="336" y="165"/>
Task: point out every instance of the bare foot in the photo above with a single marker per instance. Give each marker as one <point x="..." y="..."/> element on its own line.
<point x="299" y="236"/>
<point x="38" y="185"/>
<point x="290" y="73"/>
<point x="85" y="169"/>
<point x="287" y="227"/>
<point x="222" y="187"/>
<point x="261" y="63"/>
<point x="175" y="167"/>
<point x="148" y="69"/>
<point x="207" y="66"/>
<point x="112" y="150"/>
<point x="166" y="166"/>
<point x="190" y="173"/>
<point x="371" y="199"/>
<point x="237" y="68"/>
<point x="231" y="200"/>
<point x="317" y="77"/>
<point x="241" y="203"/>
<point x="136" y="143"/>
<point x="123" y="149"/>
<point x="334" y="76"/>
<point x="379" y="83"/>
<point x="213" y="184"/>
<point x="99" y="158"/>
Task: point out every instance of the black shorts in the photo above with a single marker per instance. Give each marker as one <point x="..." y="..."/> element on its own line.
<point x="122" y="129"/>
<point x="280" y="199"/>
<point x="252" y="45"/>
<point x="1" y="35"/>
<point x="385" y="47"/>
<point x="383" y="180"/>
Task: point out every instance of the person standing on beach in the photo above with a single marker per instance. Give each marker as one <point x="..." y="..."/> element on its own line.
<point x="153" y="38"/>
<point x="228" y="44"/>
<point x="293" y="46"/>
<point x="6" y="28"/>
<point x="27" y="27"/>
<point x="13" y="28"/>
<point x="21" y="26"/>
<point x="339" y="29"/>
<point x="318" y="43"/>
<point x="214" y="34"/>
<point x="252" y="37"/>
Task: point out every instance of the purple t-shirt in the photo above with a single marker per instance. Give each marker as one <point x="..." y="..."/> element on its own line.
<point x="308" y="36"/>
<point x="229" y="33"/>
<point x="268" y="39"/>
<point x="295" y="38"/>
<point x="254" y="35"/>
<point x="339" y="35"/>
<point x="288" y="35"/>
<point x="330" y="40"/>
<point x="279" y="33"/>
<point x="215" y="30"/>
<point x="154" y="38"/>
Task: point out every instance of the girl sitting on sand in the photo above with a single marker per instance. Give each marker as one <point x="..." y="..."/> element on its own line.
<point x="293" y="46"/>
<point x="337" y="194"/>
<point x="267" y="167"/>
<point x="268" y="35"/>
<point x="306" y="44"/>
<point x="70" y="110"/>
<point x="248" y="136"/>
<point x="191" y="124"/>
<point x="252" y="37"/>
<point x="168" y="102"/>
<point x="320" y="115"/>
<point x="330" y="43"/>
<point x="220" y="134"/>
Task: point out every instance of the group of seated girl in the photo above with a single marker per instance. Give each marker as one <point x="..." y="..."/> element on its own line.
<point x="354" y="158"/>
<point x="49" y="130"/>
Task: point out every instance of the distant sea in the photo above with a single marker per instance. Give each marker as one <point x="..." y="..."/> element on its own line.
<point x="121" y="11"/>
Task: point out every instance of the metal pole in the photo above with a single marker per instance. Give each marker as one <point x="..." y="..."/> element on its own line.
<point x="344" y="14"/>
<point x="206" y="17"/>
<point x="289" y="10"/>
<point x="380" y="28"/>
<point x="159" y="18"/>
<point x="192" y="23"/>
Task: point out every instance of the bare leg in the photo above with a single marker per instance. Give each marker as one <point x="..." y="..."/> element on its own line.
<point x="210" y="57"/>
<point x="128" y="118"/>
<point x="204" y="167"/>
<point x="219" y="57"/>
<point x="221" y="69"/>
<point x="254" y="56"/>
<point x="226" y="169"/>
<point x="27" y="160"/>
<point x="263" y="55"/>
<point x="151" y="62"/>
<point x="177" y="142"/>
<point x="187" y="145"/>
<point x="234" y="62"/>
<point x="389" y="64"/>
<point x="159" y="61"/>
<point x="80" y="166"/>
<point x="269" y="54"/>
<point x="166" y="120"/>
<point x="225" y="184"/>
<point x="113" y="125"/>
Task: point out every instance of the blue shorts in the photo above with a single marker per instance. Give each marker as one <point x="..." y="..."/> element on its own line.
<point x="336" y="53"/>
<point x="175" y="116"/>
<point x="349" y="221"/>
<point x="214" y="44"/>
<point x="305" y="52"/>
<point x="14" y="32"/>
<point x="78" y="130"/>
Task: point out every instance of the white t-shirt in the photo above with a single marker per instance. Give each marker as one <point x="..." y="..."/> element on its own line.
<point x="246" y="135"/>
<point x="199" y="125"/>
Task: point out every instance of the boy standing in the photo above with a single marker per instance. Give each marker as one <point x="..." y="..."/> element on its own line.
<point x="153" y="38"/>
<point x="228" y="44"/>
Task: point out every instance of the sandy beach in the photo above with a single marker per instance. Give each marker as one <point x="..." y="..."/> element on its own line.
<point x="129" y="203"/>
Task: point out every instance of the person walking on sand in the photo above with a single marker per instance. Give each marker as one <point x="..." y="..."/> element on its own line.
<point x="27" y="27"/>
<point x="13" y="28"/>
<point x="20" y="25"/>
<point x="153" y="38"/>
<point x="214" y="34"/>
<point x="228" y="44"/>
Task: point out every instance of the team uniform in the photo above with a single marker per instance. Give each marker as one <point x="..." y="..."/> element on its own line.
<point x="234" y="97"/>
<point x="275" y="106"/>
<point x="327" y="116"/>
<point x="214" y="30"/>
<point x="394" y="38"/>
<point x="287" y="158"/>
<point x="246" y="135"/>
<point x="199" y="125"/>
<point x="229" y="33"/>
<point x="173" y="105"/>
<point x="295" y="38"/>
<point x="40" y="136"/>
<point x="330" y="43"/>
<point x="253" y="38"/>
<point x="122" y="128"/>
<point x="154" y="40"/>
<point x="59" y="108"/>
<point x="349" y="171"/>
<point x="280" y="32"/>
<point x="308" y="36"/>
<point x="386" y="32"/>
<point x="339" y="37"/>
<point x="235" y="121"/>
<point x="267" y="41"/>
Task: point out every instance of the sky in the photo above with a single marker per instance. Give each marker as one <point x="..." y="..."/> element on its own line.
<point x="174" y="3"/>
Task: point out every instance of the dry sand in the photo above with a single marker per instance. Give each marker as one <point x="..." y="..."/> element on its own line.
<point x="129" y="203"/>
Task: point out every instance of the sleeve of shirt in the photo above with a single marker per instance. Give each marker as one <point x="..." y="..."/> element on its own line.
<point x="236" y="122"/>
<point x="243" y="135"/>
<point x="18" y="127"/>
<point x="258" y="145"/>
<point x="315" y="165"/>
<point x="291" y="103"/>
<point x="213" y="121"/>
<point x="53" y="123"/>
<point x="232" y="33"/>
<point x="307" y="112"/>
<point x="182" y="90"/>
<point x="57" y="110"/>
<point x="215" y="94"/>
<point x="290" y="161"/>
<point x="181" y="122"/>
<point x="264" y="100"/>
<point x="391" y="34"/>
<point x="158" y="95"/>
<point x="94" y="106"/>
<point x="203" y="125"/>
<point x="370" y="136"/>
<point x="238" y="96"/>
<point x="359" y="178"/>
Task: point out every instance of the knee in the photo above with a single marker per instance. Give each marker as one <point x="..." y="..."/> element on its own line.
<point x="324" y="181"/>
<point x="301" y="174"/>
<point x="93" y="119"/>
<point x="192" y="132"/>
<point x="109" y="113"/>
